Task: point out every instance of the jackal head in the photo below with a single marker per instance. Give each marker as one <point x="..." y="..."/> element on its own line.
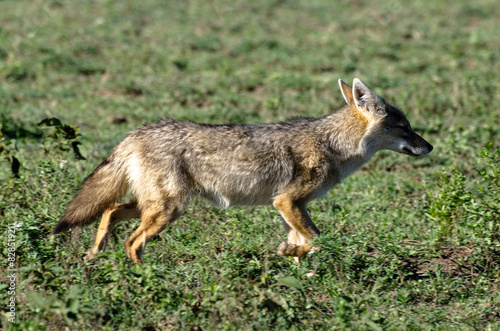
<point x="388" y="127"/>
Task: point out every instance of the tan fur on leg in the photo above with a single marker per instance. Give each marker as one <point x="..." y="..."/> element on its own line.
<point x="298" y="226"/>
<point x="112" y="216"/>
<point x="155" y="218"/>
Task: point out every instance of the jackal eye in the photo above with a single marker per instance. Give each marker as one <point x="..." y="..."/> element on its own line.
<point x="380" y="111"/>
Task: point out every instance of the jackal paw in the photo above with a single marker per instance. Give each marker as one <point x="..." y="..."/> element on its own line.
<point x="287" y="249"/>
<point x="299" y="251"/>
<point x="89" y="255"/>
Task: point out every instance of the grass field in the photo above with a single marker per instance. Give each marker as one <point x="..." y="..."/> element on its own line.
<point x="407" y="243"/>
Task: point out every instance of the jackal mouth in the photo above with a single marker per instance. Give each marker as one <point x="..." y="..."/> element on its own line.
<point x="408" y="151"/>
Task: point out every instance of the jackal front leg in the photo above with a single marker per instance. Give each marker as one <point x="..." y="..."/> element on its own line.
<point x="299" y="227"/>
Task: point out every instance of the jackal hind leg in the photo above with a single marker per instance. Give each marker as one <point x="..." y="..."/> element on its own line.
<point x="110" y="218"/>
<point x="299" y="227"/>
<point x="155" y="218"/>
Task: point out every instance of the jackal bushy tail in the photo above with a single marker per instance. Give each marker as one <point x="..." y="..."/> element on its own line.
<point x="105" y="185"/>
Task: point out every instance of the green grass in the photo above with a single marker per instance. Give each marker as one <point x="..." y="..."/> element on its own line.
<point x="408" y="243"/>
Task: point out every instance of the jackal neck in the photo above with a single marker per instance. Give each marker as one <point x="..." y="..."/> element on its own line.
<point x="344" y="131"/>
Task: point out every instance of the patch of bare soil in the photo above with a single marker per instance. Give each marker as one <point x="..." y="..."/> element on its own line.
<point x="452" y="261"/>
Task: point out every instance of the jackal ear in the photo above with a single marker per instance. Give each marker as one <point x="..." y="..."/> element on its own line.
<point x="365" y="99"/>
<point x="346" y="92"/>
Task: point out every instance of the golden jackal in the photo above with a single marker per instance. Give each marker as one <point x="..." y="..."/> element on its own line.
<point x="284" y="164"/>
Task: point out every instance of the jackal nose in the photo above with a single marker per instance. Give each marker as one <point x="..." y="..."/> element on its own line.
<point x="423" y="149"/>
<point x="426" y="149"/>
